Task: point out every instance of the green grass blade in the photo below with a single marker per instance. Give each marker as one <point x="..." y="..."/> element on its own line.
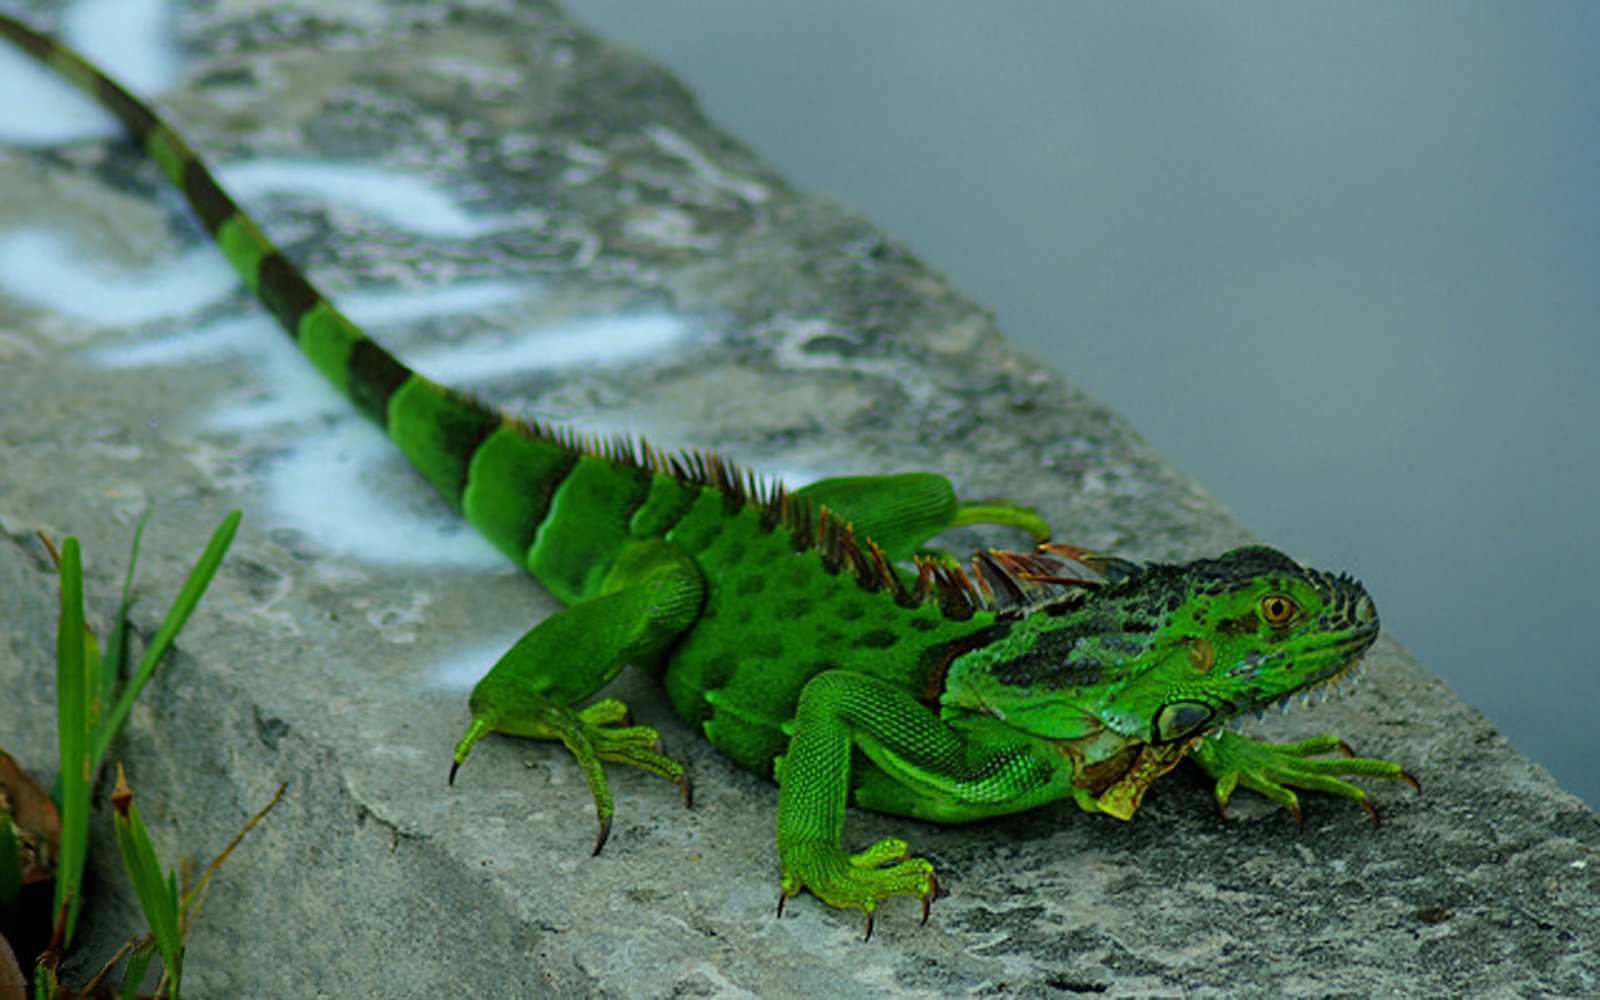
<point x="116" y="650"/>
<point x="133" y="975"/>
<point x="72" y="732"/>
<point x="193" y="589"/>
<point x="157" y="892"/>
<point x="10" y="863"/>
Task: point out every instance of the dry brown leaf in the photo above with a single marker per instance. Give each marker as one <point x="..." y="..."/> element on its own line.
<point x="38" y="827"/>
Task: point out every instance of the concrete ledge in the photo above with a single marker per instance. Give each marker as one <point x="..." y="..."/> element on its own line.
<point x="695" y="296"/>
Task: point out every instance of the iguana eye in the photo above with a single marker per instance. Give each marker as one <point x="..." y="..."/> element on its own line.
<point x="1277" y="609"/>
<point x="1179" y="719"/>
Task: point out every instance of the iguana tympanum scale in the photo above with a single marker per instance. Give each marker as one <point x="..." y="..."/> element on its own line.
<point x="805" y="633"/>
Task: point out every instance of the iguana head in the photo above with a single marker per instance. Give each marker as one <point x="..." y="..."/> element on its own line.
<point x="1234" y="634"/>
<point x="1127" y="679"/>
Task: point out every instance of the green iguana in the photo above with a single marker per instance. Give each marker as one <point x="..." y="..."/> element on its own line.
<point x="805" y="632"/>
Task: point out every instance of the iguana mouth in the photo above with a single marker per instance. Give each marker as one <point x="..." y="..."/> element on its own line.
<point x="1324" y="667"/>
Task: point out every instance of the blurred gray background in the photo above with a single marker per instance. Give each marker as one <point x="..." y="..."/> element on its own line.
<point x="1341" y="263"/>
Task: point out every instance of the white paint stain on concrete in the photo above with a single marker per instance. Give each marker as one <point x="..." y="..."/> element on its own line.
<point x="129" y="38"/>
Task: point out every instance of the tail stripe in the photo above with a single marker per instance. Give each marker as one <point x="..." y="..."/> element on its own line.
<point x="285" y="291"/>
<point x="510" y="481"/>
<point x="374" y="376"/>
<point x="209" y="201"/>
<point x="439" y="430"/>
<point x="134" y="115"/>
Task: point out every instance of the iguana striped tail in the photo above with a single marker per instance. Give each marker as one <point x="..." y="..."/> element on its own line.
<point x="515" y="479"/>
<point x="357" y="365"/>
<point x="439" y="430"/>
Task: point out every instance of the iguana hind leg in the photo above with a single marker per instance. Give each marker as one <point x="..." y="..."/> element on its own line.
<point x="652" y="594"/>
<point x="923" y="766"/>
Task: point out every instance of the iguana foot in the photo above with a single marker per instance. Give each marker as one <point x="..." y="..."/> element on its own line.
<point x="650" y="595"/>
<point x="858" y="880"/>
<point x="597" y="733"/>
<point x="1271" y="768"/>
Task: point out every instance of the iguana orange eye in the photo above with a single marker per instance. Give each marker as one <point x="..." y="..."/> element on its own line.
<point x="1278" y="609"/>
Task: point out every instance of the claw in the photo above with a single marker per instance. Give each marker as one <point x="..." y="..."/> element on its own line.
<point x="1299" y="820"/>
<point x="600" y="838"/>
<point x="474" y="733"/>
<point x="687" y="790"/>
<point x="1408" y="779"/>
<point x="783" y="897"/>
<point x="928" y="898"/>
<point x="868" y="936"/>
<point x="1371" y="811"/>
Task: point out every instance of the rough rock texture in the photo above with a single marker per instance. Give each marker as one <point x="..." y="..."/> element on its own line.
<point x="816" y="344"/>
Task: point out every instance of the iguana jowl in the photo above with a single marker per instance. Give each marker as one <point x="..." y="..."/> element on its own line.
<point x="795" y="628"/>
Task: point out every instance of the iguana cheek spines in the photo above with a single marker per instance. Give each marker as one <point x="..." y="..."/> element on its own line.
<point x="805" y="633"/>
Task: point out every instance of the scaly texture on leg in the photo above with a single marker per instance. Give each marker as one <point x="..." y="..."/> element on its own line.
<point x="1272" y="768"/>
<point x="651" y="595"/>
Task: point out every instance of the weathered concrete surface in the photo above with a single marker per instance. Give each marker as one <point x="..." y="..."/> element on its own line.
<point x="818" y="345"/>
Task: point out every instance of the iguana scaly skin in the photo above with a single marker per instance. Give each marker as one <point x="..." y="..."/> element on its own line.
<point x="803" y="632"/>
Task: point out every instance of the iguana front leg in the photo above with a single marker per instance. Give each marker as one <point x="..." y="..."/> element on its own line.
<point x="652" y="594"/>
<point x="933" y="768"/>
<point x="1273" y="768"/>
